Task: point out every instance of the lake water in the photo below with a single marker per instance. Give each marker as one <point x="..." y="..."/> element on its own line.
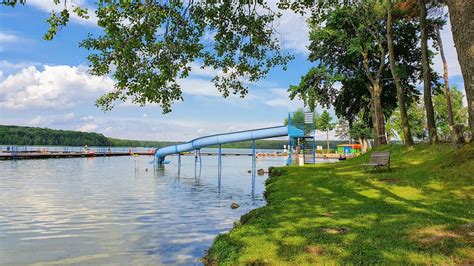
<point x="111" y="210"/>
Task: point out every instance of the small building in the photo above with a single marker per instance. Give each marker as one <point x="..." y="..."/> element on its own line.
<point x="349" y="148"/>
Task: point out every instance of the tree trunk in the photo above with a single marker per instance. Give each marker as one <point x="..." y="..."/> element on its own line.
<point x="400" y="94"/>
<point x="364" y="145"/>
<point x="327" y="137"/>
<point x="447" y="92"/>
<point x="462" y="27"/>
<point x="426" y="74"/>
<point x="378" y="115"/>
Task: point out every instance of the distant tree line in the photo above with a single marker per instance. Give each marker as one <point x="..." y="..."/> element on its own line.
<point x="19" y="135"/>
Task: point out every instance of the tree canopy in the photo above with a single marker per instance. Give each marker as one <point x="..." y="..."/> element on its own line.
<point x="350" y="49"/>
<point x="460" y="112"/>
<point x="148" y="46"/>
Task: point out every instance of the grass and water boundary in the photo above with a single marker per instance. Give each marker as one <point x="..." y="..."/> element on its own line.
<point x="419" y="213"/>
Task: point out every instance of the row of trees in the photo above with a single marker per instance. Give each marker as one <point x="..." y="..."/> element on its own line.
<point x="417" y="117"/>
<point x="18" y="135"/>
<point x="362" y="132"/>
<point x="378" y="53"/>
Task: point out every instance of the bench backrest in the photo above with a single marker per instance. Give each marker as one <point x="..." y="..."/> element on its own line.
<point x="381" y="158"/>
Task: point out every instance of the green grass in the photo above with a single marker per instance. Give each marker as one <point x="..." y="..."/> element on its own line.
<point x="419" y="213"/>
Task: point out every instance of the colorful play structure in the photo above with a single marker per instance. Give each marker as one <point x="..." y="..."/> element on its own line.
<point x="349" y="148"/>
<point x="295" y="130"/>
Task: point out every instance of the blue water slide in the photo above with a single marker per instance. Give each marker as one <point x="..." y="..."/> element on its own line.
<point x="196" y="144"/>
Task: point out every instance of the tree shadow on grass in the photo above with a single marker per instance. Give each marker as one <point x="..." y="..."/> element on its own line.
<point x="379" y="225"/>
<point x="339" y="213"/>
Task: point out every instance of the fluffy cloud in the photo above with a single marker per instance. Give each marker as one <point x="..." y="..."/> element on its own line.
<point x="87" y="127"/>
<point x="198" y="86"/>
<point x="5" y="37"/>
<point x="54" y="87"/>
<point x="51" y="120"/>
<point x="277" y="97"/>
<point x="9" y="39"/>
<point x="293" y="32"/>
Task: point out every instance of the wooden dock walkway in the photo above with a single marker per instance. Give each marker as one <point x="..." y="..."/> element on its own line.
<point x="50" y="155"/>
<point x="76" y="154"/>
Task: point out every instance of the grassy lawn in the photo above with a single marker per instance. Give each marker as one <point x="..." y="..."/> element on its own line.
<point x="420" y="212"/>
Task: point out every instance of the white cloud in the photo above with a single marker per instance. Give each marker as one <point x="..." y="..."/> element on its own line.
<point x="88" y="127"/>
<point x="55" y="87"/>
<point x="48" y="6"/>
<point x="293" y="31"/>
<point x="37" y="121"/>
<point x="5" y="37"/>
<point x="277" y="97"/>
<point x="197" y="86"/>
<point x="197" y="70"/>
<point x="69" y="116"/>
<point x="51" y="120"/>
<point x="87" y="118"/>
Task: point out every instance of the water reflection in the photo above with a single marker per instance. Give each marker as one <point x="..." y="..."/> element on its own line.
<point x="120" y="210"/>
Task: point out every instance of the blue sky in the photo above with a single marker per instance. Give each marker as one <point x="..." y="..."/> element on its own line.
<point x="46" y="84"/>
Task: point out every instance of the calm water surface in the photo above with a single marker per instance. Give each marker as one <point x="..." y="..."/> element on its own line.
<point x="110" y="210"/>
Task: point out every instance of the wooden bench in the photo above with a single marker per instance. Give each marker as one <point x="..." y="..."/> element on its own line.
<point x="378" y="160"/>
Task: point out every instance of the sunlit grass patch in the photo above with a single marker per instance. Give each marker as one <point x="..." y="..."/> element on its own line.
<point x="418" y="213"/>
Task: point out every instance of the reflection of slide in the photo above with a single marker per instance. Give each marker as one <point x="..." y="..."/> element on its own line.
<point x="196" y="144"/>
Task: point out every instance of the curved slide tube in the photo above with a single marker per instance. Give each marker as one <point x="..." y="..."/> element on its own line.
<point x="196" y="144"/>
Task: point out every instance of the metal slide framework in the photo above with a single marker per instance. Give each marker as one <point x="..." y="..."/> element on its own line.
<point x="291" y="130"/>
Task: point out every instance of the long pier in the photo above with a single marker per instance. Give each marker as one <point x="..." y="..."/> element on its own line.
<point x="57" y="155"/>
<point x="11" y="152"/>
<point x="48" y="152"/>
<point x="48" y="155"/>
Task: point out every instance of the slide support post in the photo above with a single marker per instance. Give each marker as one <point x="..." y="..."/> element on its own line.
<point x="254" y="161"/>
<point x="195" y="163"/>
<point x="314" y="139"/>
<point x="219" y="166"/>
<point x="179" y="164"/>
<point x="254" y="167"/>
<point x="200" y="162"/>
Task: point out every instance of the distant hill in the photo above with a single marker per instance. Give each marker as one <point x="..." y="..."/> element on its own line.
<point x="20" y="135"/>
